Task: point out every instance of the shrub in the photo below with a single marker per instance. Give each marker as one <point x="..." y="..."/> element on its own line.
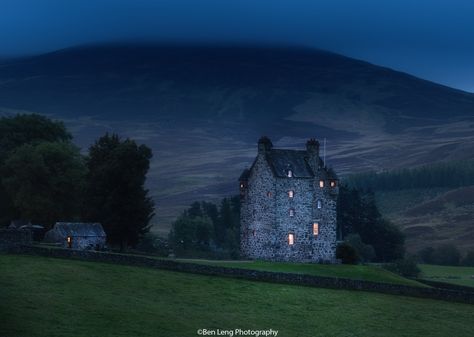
<point x="365" y="252"/>
<point x="406" y="267"/>
<point x="347" y="253"/>
<point x="469" y="259"/>
<point x="153" y="244"/>
<point x="426" y="255"/>
<point x="447" y="255"/>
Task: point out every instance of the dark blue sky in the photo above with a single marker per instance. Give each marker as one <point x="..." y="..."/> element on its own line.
<point x="432" y="39"/>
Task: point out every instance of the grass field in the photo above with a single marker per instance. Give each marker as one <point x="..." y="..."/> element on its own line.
<point x="457" y="275"/>
<point x="54" y="297"/>
<point x="358" y="272"/>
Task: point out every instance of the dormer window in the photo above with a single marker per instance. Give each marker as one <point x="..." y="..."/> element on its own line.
<point x="292" y="212"/>
<point x="291" y="194"/>
<point x="289" y="174"/>
<point x="321" y="183"/>
<point x="332" y="183"/>
<point x="319" y="204"/>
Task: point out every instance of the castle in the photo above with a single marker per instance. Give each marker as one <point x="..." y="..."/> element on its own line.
<point x="288" y="205"/>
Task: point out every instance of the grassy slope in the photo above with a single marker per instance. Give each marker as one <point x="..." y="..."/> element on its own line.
<point x="431" y="217"/>
<point x="53" y="297"/>
<point x="359" y="272"/>
<point x="457" y="275"/>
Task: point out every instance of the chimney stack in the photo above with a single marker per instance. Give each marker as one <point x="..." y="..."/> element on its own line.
<point x="264" y="144"/>
<point x="312" y="148"/>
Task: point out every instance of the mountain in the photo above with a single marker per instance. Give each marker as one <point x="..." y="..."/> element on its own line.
<point x="202" y="107"/>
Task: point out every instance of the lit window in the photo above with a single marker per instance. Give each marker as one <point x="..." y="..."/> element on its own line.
<point x="315" y="228"/>
<point x="289" y="173"/>
<point x="291" y="194"/>
<point x="69" y="241"/>
<point x="320" y="204"/>
<point x="321" y="183"/>
<point x="292" y="212"/>
<point x="291" y="239"/>
<point x="333" y="183"/>
<point x="241" y="185"/>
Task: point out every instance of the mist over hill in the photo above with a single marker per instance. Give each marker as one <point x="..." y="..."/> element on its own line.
<point x="202" y="108"/>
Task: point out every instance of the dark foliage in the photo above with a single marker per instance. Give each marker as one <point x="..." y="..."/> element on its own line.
<point x="115" y="193"/>
<point x="445" y="174"/>
<point x="346" y="253"/>
<point x="468" y="260"/>
<point x="358" y="214"/>
<point x="365" y="252"/>
<point x="41" y="172"/>
<point x="447" y="255"/>
<point x="152" y="244"/>
<point x="406" y="267"/>
<point x="205" y="229"/>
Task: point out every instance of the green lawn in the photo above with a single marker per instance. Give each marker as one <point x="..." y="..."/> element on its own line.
<point x="457" y="275"/>
<point x="57" y="297"/>
<point x="359" y="272"/>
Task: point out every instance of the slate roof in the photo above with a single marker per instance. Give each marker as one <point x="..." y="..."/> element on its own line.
<point x="295" y="160"/>
<point x="75" y="229"/>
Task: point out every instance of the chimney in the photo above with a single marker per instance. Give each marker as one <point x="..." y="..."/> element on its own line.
<point x="312" y="148"/>
<point x="264" y="145"/>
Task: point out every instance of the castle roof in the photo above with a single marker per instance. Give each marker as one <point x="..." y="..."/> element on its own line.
<point x="295" y="160"/>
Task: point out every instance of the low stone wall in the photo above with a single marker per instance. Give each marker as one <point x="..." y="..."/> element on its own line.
<point x="444" y="285"/>
<point x="254" y="275"/>
<point x="13" y="237"/>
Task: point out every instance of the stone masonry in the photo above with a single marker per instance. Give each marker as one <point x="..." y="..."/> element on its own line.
<point x="288" y="205"/>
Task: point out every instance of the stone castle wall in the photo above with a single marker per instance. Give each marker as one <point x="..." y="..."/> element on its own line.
<point x="266" y="220"/>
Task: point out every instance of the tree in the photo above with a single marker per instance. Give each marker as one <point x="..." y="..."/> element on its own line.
<point x="44" y="182"/>
<point x="468" y="260"/>
<point x="447" y="255"/>
<point x="346" y="253"/>
<point x="24" y="129"/>
<point x="15" y="132"/>
<point x="357" y="213"/>
<point x="206" y="228"/>
<point x="115" y="192"/>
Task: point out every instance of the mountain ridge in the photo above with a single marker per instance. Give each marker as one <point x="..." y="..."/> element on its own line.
<point x="202" y="108"/>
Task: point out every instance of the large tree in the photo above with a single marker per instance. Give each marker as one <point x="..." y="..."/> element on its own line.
<point x="44" y="182"/>
<point x="115" y="192"/>
<point x="20" y="137"/>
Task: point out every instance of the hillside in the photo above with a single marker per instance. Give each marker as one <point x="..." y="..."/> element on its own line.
<point x="432" y="217"/>
<point x="202" y="108"/>
<point x="55" y="298"/>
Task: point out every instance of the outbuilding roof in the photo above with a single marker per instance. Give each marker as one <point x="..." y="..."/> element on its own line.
<point x="82" y="229"/>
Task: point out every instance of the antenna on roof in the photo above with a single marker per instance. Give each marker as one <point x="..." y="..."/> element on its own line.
<point x="324" y="153"/>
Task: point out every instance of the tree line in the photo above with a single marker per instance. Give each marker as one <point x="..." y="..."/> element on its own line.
<point x="44" y="179"/>
<point x="208" y="230"/>
<point x="368" y="235"/>
<point x="444" y="174"/>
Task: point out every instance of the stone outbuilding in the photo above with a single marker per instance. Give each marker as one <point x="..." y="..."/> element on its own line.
<point x="77" y="235"/>
<point x="288" y="205"/>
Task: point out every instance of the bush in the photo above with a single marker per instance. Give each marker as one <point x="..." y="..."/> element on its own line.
<point x="153" y="244"/>
<point x="425" y="255"/>
<point x="406" y="267"/>
<point x="446" y="255"/>
<point x="365" y="252"/>
<point x="346" y="253"/>
<point x="468" y="259"/>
